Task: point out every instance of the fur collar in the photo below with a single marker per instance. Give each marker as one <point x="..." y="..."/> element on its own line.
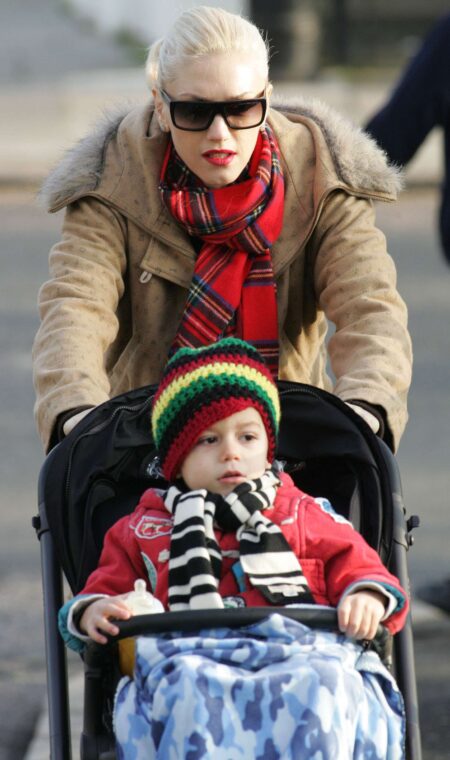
<point x="358" y="161"/>
<point x="357" y="158"/>
<point x="81" y="166"/>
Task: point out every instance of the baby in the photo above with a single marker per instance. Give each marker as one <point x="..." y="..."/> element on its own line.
<point x="231" y="529"/>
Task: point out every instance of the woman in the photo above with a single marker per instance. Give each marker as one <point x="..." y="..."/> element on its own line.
<point x="208" y="213"/>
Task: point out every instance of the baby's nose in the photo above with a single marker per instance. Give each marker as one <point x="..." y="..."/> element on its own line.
<point x="230" y="449"/>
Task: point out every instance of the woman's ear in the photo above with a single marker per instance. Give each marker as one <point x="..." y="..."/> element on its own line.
<point x="159" y="110"/>
<point x="269" y="90"/>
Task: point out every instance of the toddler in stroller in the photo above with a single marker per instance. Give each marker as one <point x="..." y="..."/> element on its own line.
<point x="232" y="529"/>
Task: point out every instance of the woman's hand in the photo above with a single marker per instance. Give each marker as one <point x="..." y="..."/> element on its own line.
<point x="97" y="617"/>
<point x="371" y="420"/>
<point x="73" y="421"/>
<point x="360" y="613"/>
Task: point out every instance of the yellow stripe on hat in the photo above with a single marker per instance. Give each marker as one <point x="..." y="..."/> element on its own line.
<point x="212" y="369"/>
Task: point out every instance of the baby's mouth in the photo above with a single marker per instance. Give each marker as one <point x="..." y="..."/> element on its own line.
<point x="231" y="475"/>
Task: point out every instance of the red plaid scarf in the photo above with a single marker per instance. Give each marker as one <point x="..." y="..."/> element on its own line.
<point x="233" y="288"/>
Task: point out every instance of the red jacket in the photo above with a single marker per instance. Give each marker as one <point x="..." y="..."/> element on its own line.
<point x="332" y="554"/>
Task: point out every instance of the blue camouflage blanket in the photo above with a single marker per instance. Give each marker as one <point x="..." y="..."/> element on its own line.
<point x="276" y="689"/>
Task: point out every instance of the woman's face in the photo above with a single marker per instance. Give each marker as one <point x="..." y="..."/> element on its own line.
<point x="218" y="154"/>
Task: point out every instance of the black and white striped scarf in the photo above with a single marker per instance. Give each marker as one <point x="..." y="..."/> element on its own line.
<point x="195" y="557"/>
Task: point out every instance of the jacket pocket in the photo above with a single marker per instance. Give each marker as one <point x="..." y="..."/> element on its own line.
<point x="166" y="262"/>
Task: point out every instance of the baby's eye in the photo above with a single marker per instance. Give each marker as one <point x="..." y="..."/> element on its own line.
<point x="206" y="440"/>
<point x="249" y="436"/>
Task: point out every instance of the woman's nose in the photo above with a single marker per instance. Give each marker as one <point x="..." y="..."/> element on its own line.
<point x="218" y="128"/>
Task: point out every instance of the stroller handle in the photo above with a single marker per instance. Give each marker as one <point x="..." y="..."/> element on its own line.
<point x="321" y="617"/>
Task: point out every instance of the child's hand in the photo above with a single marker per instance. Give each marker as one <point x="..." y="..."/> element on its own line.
<point x="96" y="617"/>
<point x="360" y="613"/>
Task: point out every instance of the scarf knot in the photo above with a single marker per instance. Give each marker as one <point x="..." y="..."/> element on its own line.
<point x="195" y="558"/>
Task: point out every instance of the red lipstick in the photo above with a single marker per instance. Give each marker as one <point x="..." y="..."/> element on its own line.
<point x="219" y="157"/>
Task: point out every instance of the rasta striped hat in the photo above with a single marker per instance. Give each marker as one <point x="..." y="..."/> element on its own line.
<point x="201" y="386"/>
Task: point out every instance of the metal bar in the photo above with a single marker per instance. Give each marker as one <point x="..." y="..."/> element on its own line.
<point x="404" y="661"/>
<point x="55" y="653"/>
<point x="405" y="664"/>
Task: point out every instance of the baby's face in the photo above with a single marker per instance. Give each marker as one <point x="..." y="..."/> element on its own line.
<point x="227" y="453"/>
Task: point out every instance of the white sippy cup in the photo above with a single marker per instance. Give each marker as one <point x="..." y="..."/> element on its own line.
<point x="141" y="601"/>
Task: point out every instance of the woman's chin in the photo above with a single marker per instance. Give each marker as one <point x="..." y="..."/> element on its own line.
<point x="219" y="177"/>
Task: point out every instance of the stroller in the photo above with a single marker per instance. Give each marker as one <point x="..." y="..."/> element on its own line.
<point x="97" y="474"/>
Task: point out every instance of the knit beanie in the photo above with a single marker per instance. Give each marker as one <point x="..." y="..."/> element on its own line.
<point x="201" y="386"/>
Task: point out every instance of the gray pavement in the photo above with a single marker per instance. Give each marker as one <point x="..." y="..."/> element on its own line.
<point x="42" y="41"/>
<point x="56" y="75"/>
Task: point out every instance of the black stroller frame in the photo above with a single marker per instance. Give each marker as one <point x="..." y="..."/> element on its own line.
<point x="319" y="433"/>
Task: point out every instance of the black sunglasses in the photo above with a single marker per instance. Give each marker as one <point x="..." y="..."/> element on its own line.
<point x="198" y="115"/>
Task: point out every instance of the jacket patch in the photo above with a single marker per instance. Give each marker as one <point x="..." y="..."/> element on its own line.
<point x="153" y="527"/>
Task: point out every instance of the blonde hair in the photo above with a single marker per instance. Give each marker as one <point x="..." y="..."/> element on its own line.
<point x="198" y="32"/>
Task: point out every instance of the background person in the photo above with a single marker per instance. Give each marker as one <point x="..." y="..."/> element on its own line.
<point x="420" y="102"/>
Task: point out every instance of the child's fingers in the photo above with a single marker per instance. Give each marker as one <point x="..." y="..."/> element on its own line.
<point x="95" y="635"/>
<point x="355" y="620"/>
<point x="343" y="613"/>
<point x="369" y="623"/>
<point x="99" y="625"/>
<point x="365" y="627"/>
<point x="359" y="615"/>
<point x="349" y="615"/>
<point x="372" y="632"/>
<point x="99" y="616"/>
<point x="112" y="612"/>
<point x="119" y="610"/>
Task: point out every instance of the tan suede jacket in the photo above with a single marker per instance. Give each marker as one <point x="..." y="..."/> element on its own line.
<point x="121" y="272"/>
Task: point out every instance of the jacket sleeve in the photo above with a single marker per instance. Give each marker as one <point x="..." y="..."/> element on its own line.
<point x="348" y="560"/>
<point x="355" y="282"/>
<point x="115" y="574"/>
<point x="120" y="562"/>
<point x="78" y="308"/>
<point x="72" y="637"/>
